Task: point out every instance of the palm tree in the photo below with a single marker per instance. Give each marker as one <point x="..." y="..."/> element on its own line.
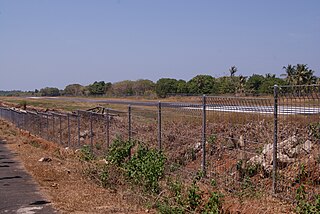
<point x="290" y="74"/>
<point x="242" y="82"/>
<point x="270" y="76"/>
<point x="233" y="70"/>
<point x="304" y="75"/>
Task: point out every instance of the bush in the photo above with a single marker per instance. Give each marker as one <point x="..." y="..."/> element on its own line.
<point x="119" y="151"/>
<point x="86" y="154"/>
<point x="146" y="167"/>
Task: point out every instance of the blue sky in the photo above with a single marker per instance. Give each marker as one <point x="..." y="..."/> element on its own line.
<point x="59" y="42"/>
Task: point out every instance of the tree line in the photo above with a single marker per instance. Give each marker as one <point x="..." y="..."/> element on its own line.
<point x="299" y="74"/>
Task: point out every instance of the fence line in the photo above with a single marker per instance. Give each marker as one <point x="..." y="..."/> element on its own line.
<point x="230" y="139"/>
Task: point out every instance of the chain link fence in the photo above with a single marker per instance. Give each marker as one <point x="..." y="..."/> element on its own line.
<point x="268" y="144"/>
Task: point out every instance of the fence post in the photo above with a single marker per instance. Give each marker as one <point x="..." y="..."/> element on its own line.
<point x="107" y="128"/>
<point x="159" y="125"/>
<point x="129" y="122"/>
<point x="204" y="124"/>
<point x="69" y="134"/>
<point x="78" y="128"/>
<point x="91" y="133"/>
<point x="47" y="127"/>
<point x="53" y="124"/>
<point x="24" y="121"/>
<point x="275" y="139"/>
<point x="60" y="129"/>
<point x="40" y="126"/>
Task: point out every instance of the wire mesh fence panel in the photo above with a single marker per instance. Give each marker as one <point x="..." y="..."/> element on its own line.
<point x="118" y="126"/>
<point x="73" y="123"/>
<point x="237" y="132"/>
<point x="298" y="141"/>
<point x="84" y="128"/>
<point x="181" y="135"/>
<point x="144" y="125"/>
<point x="99" y="135"/>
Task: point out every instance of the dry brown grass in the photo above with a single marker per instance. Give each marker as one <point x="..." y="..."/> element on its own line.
<point x="63" y="179"/>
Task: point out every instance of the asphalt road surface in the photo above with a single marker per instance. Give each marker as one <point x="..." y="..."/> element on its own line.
<point x="18" y="191"/>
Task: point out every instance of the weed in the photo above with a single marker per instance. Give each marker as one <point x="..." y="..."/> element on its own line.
<point x="213" y="182"/>
<point x="212" y="139"/>
<point x="165" y="208"/>
<point x="34" y="144"/>
<point x="23" y="104"/>
<point x="86" y="153"/>
<point x="314" y="130"/>
<point x="302" y="174"/>
<point x="303" y="206"/>
<point x="247" y="170"/>
<point x="214" y="204"/>
<point x="103" y="176"/>
<point x="98" y="146"/>
<point x="194" y="197"/>
<point x="176" y="188"/>
<point x="200" y="174"/>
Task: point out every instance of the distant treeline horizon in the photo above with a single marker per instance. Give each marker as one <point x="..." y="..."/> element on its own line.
<point x="299" y="74"/>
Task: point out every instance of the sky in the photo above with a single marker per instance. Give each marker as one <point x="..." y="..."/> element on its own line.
<point x="53" y="43"/>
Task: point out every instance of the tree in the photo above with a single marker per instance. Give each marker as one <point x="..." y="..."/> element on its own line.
<point x="182" y="87"/>
<point x="202" y="84"/>
<point x="74" y="90"/>
<point x="142" y="87"/>
<point x="241" y="84"/>
<point x="49" y="91"/>
<point x="97" y="88"/>
<point x="233" y="71"/>
<point x="122" y="88"/>
<point x="290" y="74"/>
<point x="304" y="75"/>
<point x="226" y="85"/>
<point x="254" y="82"/>
<point x="165" y="86"/>
<point x="267" y="85"/>
<point x="299" y="74"/>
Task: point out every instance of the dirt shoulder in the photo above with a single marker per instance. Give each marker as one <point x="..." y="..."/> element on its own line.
<point x="62" y="179"/>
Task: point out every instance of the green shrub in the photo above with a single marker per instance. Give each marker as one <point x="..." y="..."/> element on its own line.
<point x="214" y="204"/>
<point x="119" y="151"/>
<point x="165" y="208"/>
<point x="194" y="197"/>
<point x="146" y="167"/>
<point x="305" y="207"/>
<point x="86" y="153"/>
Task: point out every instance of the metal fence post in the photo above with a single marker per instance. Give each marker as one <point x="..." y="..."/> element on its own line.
<point x="40" y="126"/>
<point x="78" y="117"/>
<point x="275" y="139"/>
<point x="47" y="127"/>
<point x="204" y="124"/>
<point x="60" y="129"/>
<point x="107" y="128"/>
<point x="53" y="124"/>
<point x="129" y="122"/>
<point x="159" y="126"/>
<point x="69" y="134"/>
<point x="91" y="133"/>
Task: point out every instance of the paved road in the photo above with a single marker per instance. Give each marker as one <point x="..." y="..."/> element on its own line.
<point x="18" y="191"/>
